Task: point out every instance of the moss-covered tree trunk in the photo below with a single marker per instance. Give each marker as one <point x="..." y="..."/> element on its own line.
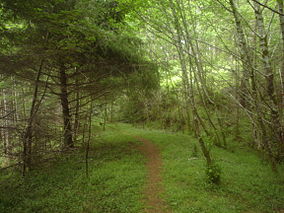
<point x="276" y="127"/>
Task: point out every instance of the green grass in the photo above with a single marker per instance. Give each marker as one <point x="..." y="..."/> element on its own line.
<point x="117" y="176"/>
<point x="248" y="184"/>
<point x="117" y="179"/>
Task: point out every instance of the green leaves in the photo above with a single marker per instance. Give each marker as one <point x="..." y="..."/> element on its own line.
<point x="213" y="173"/>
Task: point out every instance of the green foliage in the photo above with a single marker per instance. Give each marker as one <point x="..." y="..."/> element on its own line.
<point x="115" y="184"/>
<point x="73" y="32"/>
<point x="213" y="173"/>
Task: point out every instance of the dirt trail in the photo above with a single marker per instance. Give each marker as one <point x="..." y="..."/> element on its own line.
<point x="154" y="187"/>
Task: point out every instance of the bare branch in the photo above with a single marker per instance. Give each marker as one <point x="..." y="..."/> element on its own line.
<point x="264" y="5"/>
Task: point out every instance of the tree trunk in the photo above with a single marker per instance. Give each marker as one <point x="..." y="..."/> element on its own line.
<point x="281" y="19"/>
<point x="68" y="141"/>
<point x="244" y="54"/>
<point x="5" y="131"/>
<point x="182" y="48"/>
<point x="27" y="140"/>
<point x="276" y="126"/>
<point x="76" y="116"/>
<point x="89" y="139"/>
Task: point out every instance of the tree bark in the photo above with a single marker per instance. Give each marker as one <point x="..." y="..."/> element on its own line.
<point x="89" y="138"/>
<point x="77" y="109"/>
<point x="276" y="126"/>
<point x="281" y="19"/>
<point x="27" y="140"/>
<point x="5" y="131"/>
<point x="244" y="54"/>
<point x="67" y="135"/>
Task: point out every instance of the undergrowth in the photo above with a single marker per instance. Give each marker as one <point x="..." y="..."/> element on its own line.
<point x="115" y="183"/>
<point x="117" y="178"/>
<point x="247" y="183"/>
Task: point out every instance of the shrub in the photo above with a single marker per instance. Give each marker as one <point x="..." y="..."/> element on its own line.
<point x="213" y="173"/>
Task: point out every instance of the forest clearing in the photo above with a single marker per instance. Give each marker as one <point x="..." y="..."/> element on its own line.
<point x="117" y="106"/>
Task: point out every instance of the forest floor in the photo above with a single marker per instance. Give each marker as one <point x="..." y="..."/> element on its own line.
<point x="154" y="187"/>
<point x="134" y="170"/>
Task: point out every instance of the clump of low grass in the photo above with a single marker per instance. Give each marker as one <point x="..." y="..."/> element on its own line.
<point x="213" y="173"/>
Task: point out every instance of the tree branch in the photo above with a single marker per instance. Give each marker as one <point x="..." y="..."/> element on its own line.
<point x="273" y="10"/>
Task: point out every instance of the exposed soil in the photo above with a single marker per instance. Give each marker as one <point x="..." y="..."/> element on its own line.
<point x="154" y="188"/>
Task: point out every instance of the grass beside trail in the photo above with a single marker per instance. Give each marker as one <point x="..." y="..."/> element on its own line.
<point x="117" y="178"/>
<point x="248" y="184"/>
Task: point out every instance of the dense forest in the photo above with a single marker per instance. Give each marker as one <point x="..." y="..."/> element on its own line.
<point x="142" y="106"/>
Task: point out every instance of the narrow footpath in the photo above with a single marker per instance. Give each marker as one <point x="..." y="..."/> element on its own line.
<point x="154" y="187"/>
